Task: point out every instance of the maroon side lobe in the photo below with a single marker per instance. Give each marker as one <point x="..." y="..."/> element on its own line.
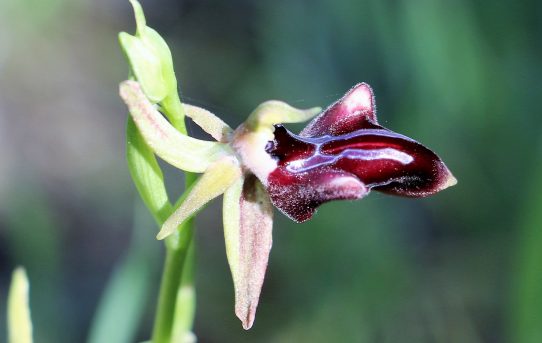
<point x="355" y="109"/>
<point x="343" y="154"/>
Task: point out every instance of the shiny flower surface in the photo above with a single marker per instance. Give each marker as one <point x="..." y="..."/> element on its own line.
<point x="343" y="154"/>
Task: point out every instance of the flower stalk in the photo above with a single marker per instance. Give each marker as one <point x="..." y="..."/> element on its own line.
<point x="172" y="283"/>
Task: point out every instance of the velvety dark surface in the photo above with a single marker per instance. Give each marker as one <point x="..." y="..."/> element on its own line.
<point x="344" y="154"/>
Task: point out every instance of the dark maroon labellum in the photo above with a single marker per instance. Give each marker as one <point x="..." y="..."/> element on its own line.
<point x="343" y="154"/>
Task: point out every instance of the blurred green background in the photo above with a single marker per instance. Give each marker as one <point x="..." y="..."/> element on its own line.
<point x="463" y="77"/>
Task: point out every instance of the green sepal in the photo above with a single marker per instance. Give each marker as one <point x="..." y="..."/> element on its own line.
<point x="182" y="151"/>
<point x="216" y="180"/>
<point x="248" y="224"/>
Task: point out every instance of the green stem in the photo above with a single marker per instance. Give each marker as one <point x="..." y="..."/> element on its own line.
<point x="176" y="308"/>
<point x="176" y="256"/>
<point x="186" y="301"/>
<point x="174" y="111"/>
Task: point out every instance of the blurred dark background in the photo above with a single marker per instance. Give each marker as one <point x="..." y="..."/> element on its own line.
<point x="463" y="77"/>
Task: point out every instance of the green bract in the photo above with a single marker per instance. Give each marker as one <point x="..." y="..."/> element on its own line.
<point x="150" y="59"/>
<point x="146" y="174"/>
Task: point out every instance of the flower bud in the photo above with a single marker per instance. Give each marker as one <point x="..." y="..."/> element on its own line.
<point x="150" y="58"/>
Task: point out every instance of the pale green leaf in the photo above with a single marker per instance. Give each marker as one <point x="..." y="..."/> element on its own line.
<point x="126" y="294"/>
<point x="19" y="322"/>
<point x="146" y="174"/>
<point x="179" y="150"/>
<point x="216" y="179"/>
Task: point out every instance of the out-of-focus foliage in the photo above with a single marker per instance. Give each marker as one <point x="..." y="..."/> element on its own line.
<point x="462" y="76"/>
<point x="19" y="321"/>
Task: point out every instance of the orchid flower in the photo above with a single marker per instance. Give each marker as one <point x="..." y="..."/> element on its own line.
<point x="343" y="153"/>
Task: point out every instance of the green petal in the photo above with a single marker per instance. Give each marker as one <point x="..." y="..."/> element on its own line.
<point x="179" y="150"/>
<point x="216" y="179"/>
<point x="274" y="112"/>
<point x="19" y="322"/>
<point x="210" y="123"/>
<point x="248" y="224"/>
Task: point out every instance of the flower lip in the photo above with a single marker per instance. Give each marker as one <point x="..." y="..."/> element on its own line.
<point x="346" y="114"/>
<point x="344" y="153"/>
